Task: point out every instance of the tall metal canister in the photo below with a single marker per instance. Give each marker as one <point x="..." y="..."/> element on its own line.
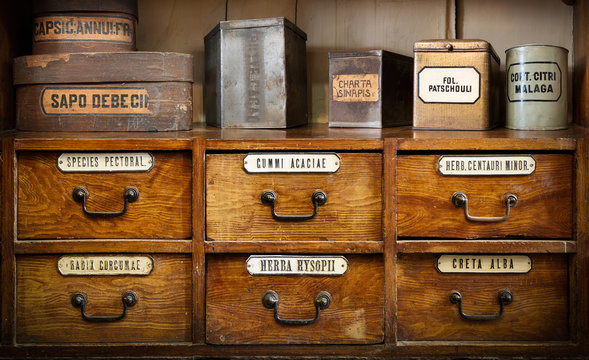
<point x="536" y="87"/>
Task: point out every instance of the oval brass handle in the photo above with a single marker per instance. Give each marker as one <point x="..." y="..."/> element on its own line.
<point x="505" y="298"/>
<point x="322" y="302"/>
<point x="459" y="199"/>
<point x="318" y="198"/>
<point x="130" y="194"/>
<point x="79" y="300"/>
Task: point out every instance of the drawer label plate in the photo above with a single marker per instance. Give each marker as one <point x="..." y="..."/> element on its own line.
<point x="105" y="162"/>
<point x="296" y="265"/>
<point x="476" y="165"/>
<point x="291" y="163"/>
<point x="105" y="265"/>
<point x="356" y="88"/>
<point x="449" y="85"/>
<point x="483" y="264"/>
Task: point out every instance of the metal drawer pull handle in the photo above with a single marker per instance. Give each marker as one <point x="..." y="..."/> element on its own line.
<point x="79" y="300"/>
<point x="130" y="195"/>
<point x="460" y="199"/>
<point x="318" y="198"/>
<point x="322" y="302"/>
<point x="505" y="298"/>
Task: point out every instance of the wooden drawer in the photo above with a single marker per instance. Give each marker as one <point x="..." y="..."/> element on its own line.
<point x="47" y="208"/>
<point x="538" y="312"/>
<point x="353" y="210"/>
<point x="45" y="314"/>
<point x="235" y="313"/>
<point x="543" y="209"/>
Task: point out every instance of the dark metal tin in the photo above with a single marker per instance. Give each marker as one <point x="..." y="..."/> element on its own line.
<point x="369" y="89"/>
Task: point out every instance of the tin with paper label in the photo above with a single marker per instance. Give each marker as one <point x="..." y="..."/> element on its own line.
<point x="536" y="87"/>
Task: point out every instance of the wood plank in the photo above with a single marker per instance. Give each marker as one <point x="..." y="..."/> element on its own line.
<point x="487" y="246"/>
<point x="300" y="144"/>
<point x="99" y="246"/>
<point x="390" y="237"/>
<point x="108" y="142"/>
<point x="8" y="236"/>
<point x="579" y="283"/>
<point x="198" y="236"/>
<point x="303" y="247"/>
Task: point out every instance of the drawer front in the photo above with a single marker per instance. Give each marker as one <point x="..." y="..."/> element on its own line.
<point x="543" y="209"/>
<point x="235" y="313"/>
<point x="538" y="311"/>
<point x="47" y="208"/>
<point x="45" y="313"/>
<point x="353" y="210"/>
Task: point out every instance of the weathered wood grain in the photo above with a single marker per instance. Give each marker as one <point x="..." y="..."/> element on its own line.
<point x="235" y="314"/>
<point x="543" y="210"/>
<point x="539" y="311"/>
<point x="44" y="313"/>
<point x="47" y="210"/>
<point x="353" y="210"/>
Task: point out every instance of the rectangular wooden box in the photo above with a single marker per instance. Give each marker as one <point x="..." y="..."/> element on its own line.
<point x="45" y="313"/>
<point x="235" y="313"/>
<point x="369" y="89"/>
<point x="235" y="210"/>
<point x="255" y="74"/>
<point x="48" y="208"/>
<point x="456" y="85"/>
<point x="538" y="312"/>
<point x="123" y="91"/>
<point x="544" y="206"/>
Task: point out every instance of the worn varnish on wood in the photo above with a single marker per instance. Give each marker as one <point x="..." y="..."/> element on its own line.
<point x="543" y="209"/>
<point x="126" y="91"/>
<point x="48" y="210"/>
<point x="84" y="26"/>
<point x="539" y="311"/>
<point x="45" y="314"/>
<point x="353" y="211"/>
<point x="235" y="313"/>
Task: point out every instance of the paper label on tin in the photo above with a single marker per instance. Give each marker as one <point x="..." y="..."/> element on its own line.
<point x="104" y="265"/>
<point x="449" y="85"/>
<point x="356" y="88"/>
<point x="87" y="100"/>
<point x="296" y="265"/>
<point x="105" y="162"/>
<point x="103" y="28"/>
<point x="534" y="81"/>
<point x="476" y="165"/>
<point x="484" y="264"/>
<point x="291" y="163"/>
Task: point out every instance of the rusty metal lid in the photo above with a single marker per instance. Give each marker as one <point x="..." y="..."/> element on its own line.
<point x="455" y="45"/>
<point x="366" y="53"/>
<point x="57" y="6"/>
<point x="257" y="23"/>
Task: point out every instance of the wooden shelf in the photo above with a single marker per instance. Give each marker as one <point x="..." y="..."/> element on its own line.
<point x="100" y="246"/>
<point x="486" y="246"/>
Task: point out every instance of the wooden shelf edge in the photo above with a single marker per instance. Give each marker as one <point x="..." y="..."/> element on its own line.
<point x="487" y="246"/>
<point x="302" y="247"/>
<point x="98" y="246"/>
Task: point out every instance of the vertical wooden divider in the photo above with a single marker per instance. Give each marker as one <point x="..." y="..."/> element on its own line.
<point x="390" y="236"/>
<point x="8" y="269"/>
<point x="580" y="282"/>
<point x="198" y="236"/>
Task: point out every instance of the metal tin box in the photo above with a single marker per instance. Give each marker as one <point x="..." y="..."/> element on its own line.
<point x="66" y="26"/>
<point x="255" y="74"/>
<point x="369" y="89"/>
<point x="456" y="85"/>
<point x="103" y="91"/>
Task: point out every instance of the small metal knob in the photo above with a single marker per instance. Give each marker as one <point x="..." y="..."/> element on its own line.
<point x="449" y="47"/>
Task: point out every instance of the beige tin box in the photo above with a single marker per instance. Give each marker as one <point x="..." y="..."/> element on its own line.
<point x="456" y="85"/>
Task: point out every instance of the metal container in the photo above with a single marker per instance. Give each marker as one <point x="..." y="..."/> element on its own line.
<point x="368" y="89"/>
<point x="255" y="74"/>
<point x="455" y="85"/>
<point x="536" y="87"/>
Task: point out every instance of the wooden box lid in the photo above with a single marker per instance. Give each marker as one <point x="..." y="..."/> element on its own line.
<point x="455" y="45"/>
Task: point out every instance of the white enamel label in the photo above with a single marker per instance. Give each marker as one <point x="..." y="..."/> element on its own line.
<point x="104" y="265"/>
<point x="473" y="165"/>
<point x="291" y="163"/>
<point x="449" y="85"/>
<point x="484" y="264"/>
<point x="104" y="162"/>
<point x="534" y="81"/>
<point x="296" y="265"/>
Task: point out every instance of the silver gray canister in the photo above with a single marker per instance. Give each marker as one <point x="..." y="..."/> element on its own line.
<point x="536" y="87"/>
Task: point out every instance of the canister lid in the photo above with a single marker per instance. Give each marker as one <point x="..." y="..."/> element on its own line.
<point x="257" y="23"/>
<point x="367" y="53"/>
<point x="539" y="45"/>
<point x="101" y="67"/>
<point x="56" y="6"/>
<point x="455" y="45"/>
